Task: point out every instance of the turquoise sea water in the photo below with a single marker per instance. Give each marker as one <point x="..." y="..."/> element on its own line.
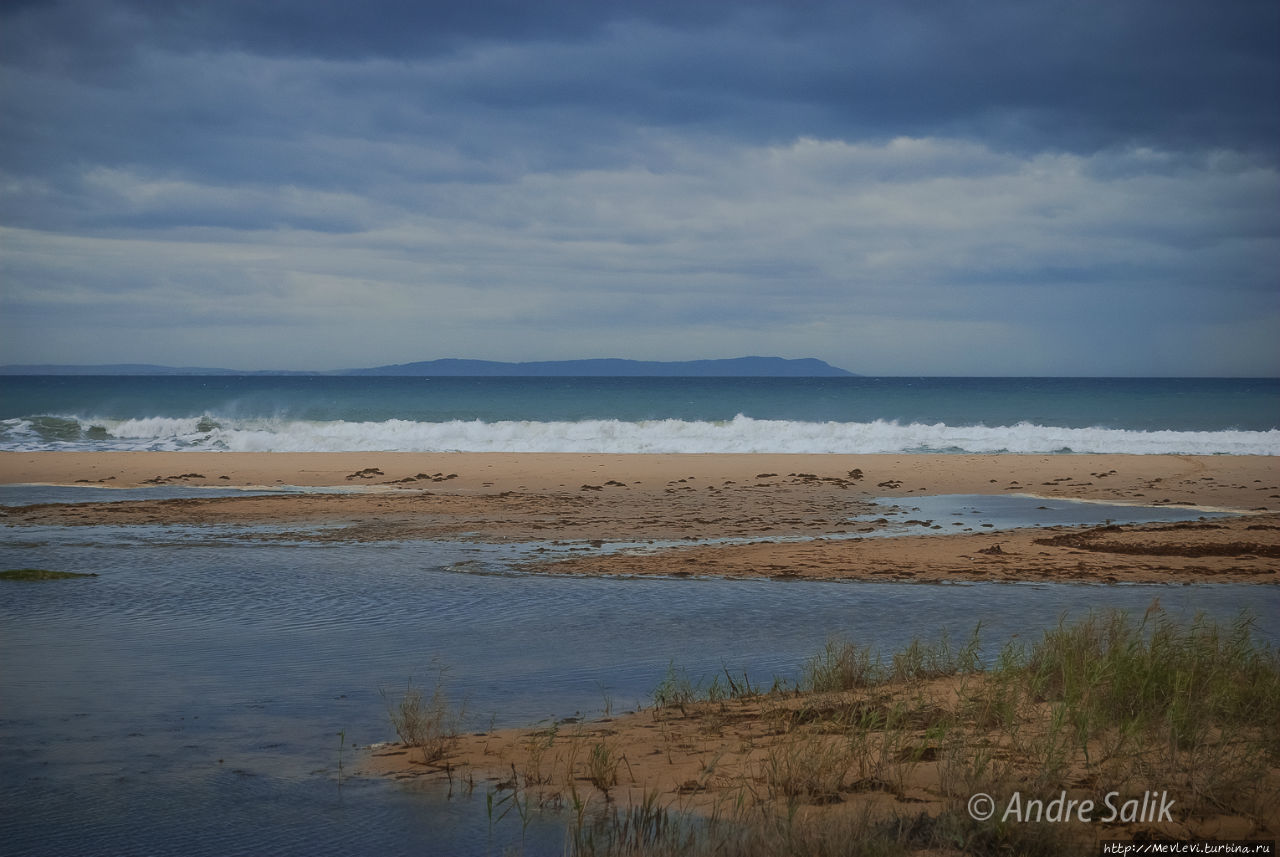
<point x="319" y="413"/>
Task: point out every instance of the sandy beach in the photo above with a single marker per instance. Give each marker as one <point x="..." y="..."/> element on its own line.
<point x="825" y="759"/>
<point x="757" y="502"/>
<point x="1228" y="481"/>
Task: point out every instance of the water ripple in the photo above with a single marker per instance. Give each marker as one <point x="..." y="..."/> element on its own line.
<point x="189" y="698"/>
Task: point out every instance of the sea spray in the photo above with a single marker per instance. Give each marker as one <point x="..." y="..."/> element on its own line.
<point x="742" y="434"/>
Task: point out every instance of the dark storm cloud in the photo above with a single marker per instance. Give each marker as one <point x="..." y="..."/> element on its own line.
<point x="902" y="178"/>
<point x="319" y="94"/>
<point x="1033" y="73"/>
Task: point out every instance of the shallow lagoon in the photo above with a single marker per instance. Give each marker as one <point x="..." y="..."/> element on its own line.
<point x="190" y="698"/>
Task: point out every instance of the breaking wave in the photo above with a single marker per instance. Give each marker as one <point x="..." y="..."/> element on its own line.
<point x="739" y="435"/>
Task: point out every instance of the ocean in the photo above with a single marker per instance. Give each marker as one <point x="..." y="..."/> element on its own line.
<point x="642" y="415"/>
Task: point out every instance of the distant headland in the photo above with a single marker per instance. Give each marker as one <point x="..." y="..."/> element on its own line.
<point x="735" y="367"/>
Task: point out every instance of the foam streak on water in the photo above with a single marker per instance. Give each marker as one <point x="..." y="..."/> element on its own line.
<point x="741" y="434"/>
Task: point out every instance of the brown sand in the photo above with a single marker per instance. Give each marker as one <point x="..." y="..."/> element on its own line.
<point x="693" y="755"/>
<point x="730" y="755"/>
<point x="598" y="498"/>
<point x="1240" y="482"/>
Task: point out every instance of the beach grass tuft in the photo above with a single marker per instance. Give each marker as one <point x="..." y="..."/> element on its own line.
<point x="428" y="723"/>
<point x="602" y="766"/>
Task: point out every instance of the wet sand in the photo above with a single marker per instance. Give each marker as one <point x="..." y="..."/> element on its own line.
<point x="727" y="757"/>
<point x="1238" y="482"/>
<point x="678" y="499"/>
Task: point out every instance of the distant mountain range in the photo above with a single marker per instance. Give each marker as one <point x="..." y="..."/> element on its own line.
<point x="737" y="367"/>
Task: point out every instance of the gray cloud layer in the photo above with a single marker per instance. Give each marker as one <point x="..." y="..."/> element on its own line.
<point x="920" y="187"/>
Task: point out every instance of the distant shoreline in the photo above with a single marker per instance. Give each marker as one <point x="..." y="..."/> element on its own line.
<point x="734" y="367"/>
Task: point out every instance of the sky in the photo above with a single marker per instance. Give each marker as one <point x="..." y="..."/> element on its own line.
<point x="898" y="187"/>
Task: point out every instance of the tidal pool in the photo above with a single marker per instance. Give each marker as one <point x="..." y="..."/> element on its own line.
<point x="953" y="513"/>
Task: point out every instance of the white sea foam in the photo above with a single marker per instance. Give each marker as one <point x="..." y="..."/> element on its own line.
<point x="154" y="427"/>
<point x="741" y="434"/>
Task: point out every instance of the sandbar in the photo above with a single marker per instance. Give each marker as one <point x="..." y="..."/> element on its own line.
<point x="785" y="516"/>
